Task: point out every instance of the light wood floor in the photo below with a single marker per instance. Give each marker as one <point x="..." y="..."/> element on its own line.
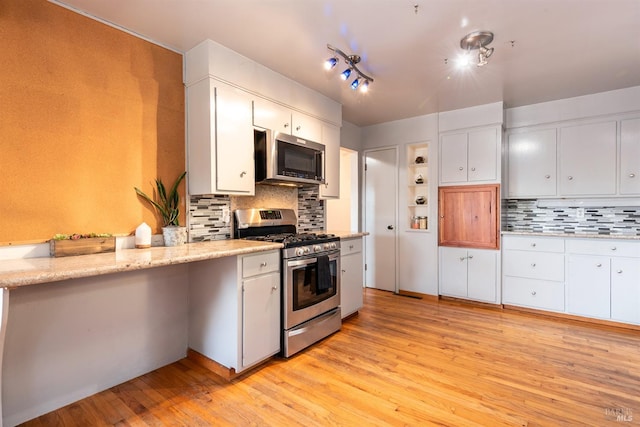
<point x="401" y="361"/>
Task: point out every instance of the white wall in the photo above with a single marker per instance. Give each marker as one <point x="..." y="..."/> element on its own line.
<point x="71" y="339"/>
<point x="342" y="214"/>
<point x="418" y="252"/>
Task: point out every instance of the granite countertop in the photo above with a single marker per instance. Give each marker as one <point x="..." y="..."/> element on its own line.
<point x="568" y="235"/>
<point x="30" y="271"/>
<point x="347" y="234"/>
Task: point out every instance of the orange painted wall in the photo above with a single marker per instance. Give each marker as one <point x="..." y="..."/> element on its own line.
<point x="87" y="112"/>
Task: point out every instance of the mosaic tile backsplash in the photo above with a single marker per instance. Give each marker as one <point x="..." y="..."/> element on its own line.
<point x="206" y="220"/>
<point x="525" y="215"/>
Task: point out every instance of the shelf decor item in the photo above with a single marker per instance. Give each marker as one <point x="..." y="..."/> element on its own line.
<point x="167" y="204"/>
<point x="81" y="244"/>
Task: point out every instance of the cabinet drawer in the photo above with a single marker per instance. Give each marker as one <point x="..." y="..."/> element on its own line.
<point x="604" y="247"/>
<point x="261" y="263"/>
<point x="525" y="243"/>
<point x="350" y="246"/>
<point x="533" y="265"/>
<point x="532" y="293"/>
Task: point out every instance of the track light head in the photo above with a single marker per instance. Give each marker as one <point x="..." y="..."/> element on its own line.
<point x="345" y="74"/>
<point x="478" y="40"/>
<point x="330" y="63"/>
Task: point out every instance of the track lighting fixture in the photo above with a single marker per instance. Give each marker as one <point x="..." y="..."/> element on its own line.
<point x="361" y="81"/>
<point x="478" y="40"/>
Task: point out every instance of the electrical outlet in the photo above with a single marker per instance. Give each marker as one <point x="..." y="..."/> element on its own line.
<point x="580" y="213"/>
<point x="225" y="215"/>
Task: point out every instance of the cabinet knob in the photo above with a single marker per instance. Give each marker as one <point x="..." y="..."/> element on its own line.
<point x="598" y="265"/>
<point x="473" y="169"/>
<point x="547" y="176"/>
<point x="533" y="245"/>
<point x="297" y="127"/>
<point x="533" y="264"/>
<point x="344" y="271"/>
<point x="263" y="264"/>
<point x="533" y="293"/>
<point x="632" y="175"/>
<point x="243" y="173"/>
<point x="274" y="288"/>
<point x="350" y="246"/>
<point x="462" y="258"/>
<point x="619" y="271"/>
<point x="470" y="257"/>
<point x="570" y="178"/>
<point x="614" y="248"/>
<point x="460" y="168"/>
<point x="286" y="125"/>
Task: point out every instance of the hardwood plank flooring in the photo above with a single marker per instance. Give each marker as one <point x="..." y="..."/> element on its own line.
<point x="401" y="361"/>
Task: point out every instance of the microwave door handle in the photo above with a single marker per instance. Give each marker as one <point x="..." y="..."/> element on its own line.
<point x="324" y="169"/>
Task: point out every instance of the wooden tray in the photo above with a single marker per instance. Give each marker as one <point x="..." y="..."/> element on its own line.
<point x="91" y="245"/>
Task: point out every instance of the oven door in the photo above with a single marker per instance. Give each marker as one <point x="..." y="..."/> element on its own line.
<point x="311" y="287"/>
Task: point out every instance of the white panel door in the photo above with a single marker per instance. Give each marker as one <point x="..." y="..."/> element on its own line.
<point x="625" y="289"/>
<point x="588" y="159"/>
<point x="482" y="275"/>
<point x="588" y="286"/>
<point x="260" y="318"/>
<point x="630" y="157"/>
<point x="380" y="218"/>
<point x="482" y="151"/>
<point x="453" y="272"/>
<point x="532" y="163"/>
<point x="234" y="141"/>
<point x="453" y="158"/>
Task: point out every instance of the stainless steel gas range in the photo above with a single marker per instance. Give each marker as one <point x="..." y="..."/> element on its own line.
<point x="310" y="276"/>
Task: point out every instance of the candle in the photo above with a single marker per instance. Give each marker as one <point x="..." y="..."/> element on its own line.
<point x="143" y="236"/>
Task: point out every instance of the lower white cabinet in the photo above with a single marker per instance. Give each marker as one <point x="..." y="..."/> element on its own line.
<point x="469" y="273"/>
<point x="234" y="316"/>
<point x="352" y="279"/>
<point x="596" y="278"/>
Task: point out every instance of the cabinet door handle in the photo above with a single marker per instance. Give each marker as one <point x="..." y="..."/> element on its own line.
<point x="614" y="248"/>
<point x="263" y="264"/>
<point x="473" y="169"/>
<point x="462" y="258"/>
<point x="344" y="271"/>
<point x="533" y="293"/>
<point x="470" y="257"/>
<point x="547" y="176"/>
<point x="632" y="175"/>
<point x="533" y="245"/>
<point x="350" y="247"/>
<point x="286" y="125"/>
<point x="274" y="288"/>
<point x="533" y="264"/>
<point x="460" y="168"/>
<point x="243" y="173"/>
<point x="297" y="127"/>
<point x="598" y="265"/>
<point x="619" y="272"/>
<point x="570" y="178"/>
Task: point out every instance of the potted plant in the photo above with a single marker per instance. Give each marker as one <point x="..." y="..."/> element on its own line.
<point x="167" y="204"/>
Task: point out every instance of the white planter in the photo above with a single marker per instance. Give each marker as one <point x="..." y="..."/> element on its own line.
<point x="174" y="236"/>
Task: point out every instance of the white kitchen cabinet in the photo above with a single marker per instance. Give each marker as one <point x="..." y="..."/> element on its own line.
<point x="625" y="289"/>
<point x="279" y="118"/>
<point x="219" y="139"/>
<point x="470" y="156"/>
<point x="469" y="273"/>
<point x="352" y="279"/>
<point x="532" y="163"/>
<point x="588" y="286"/>
<point x="629" y="172"/>
<point x="234" y="316"/>
<point x="331" y="140"/>
<point x="587" y="162"/>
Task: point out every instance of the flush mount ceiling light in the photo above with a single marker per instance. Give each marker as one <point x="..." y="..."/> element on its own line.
<point x="361" y="81"/>
<point x="478" y="40"/>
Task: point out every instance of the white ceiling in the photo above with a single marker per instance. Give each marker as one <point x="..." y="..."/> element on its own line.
<point x="561" y="49"/>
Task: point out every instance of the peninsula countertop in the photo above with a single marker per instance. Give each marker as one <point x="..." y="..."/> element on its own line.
<point x="30" y="271"/>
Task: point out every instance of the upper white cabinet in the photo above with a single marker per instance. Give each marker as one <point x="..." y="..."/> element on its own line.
<point x="331" y="140"/>
<point x="629" y="172"/>
<point x="470" y="156"/>
<point x="219" y="139"/>
<point x="588" y="159"/>
<point x="278" y="118"/>
<point x="532" y="163"/>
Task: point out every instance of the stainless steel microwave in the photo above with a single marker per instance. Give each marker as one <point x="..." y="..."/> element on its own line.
<point x="281" y="158"/>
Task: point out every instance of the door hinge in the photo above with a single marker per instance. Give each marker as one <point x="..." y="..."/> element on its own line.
<point x="365" y="267"/>
<point x="365" y="167"/>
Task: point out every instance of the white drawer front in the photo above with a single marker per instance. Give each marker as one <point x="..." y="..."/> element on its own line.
<point x="604" y="247"/>
<point x="533" y="293"/>
<point x="350" y="246"/>
<point x="525" y="243"/>
<point x="261" y="263"/>
<point x="533" y="265"/>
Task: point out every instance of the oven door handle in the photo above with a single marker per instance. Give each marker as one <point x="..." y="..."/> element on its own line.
<point x="308" y="261"/>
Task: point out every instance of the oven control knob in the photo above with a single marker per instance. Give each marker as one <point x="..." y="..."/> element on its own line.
<point x="306" y="249"/>
<point x="333" y="245"/>
<point x="327" y="246"/>
<point x="299" y="252"/>
<point x="317" y="248"/>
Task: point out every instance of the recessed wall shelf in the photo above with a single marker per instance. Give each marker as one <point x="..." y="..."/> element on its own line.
<point x="418" y="187"/>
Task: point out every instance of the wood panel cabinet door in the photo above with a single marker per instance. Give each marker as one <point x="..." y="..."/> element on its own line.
<point x="468" y="216"/>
